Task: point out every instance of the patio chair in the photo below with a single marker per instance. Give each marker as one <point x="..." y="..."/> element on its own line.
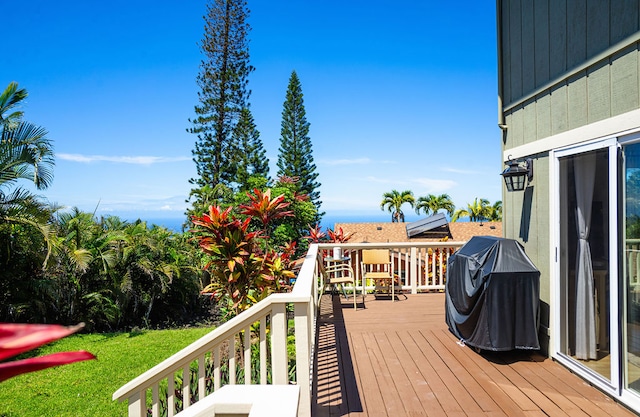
<point x="338" y="274"/>
<point x="376" y="266"/>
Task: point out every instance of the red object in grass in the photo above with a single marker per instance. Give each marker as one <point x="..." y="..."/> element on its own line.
<point x="19" y="338"/>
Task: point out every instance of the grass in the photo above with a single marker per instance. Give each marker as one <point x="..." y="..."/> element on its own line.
<point x="85" y="388"/>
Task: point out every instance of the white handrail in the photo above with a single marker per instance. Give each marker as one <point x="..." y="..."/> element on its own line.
<point x="273" y="309"/>
<point x="419" y="266"/>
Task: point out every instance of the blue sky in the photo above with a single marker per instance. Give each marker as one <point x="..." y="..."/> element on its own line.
<point x="399" y="95"/>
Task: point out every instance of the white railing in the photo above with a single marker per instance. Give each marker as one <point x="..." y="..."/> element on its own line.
<point x="418" y="266"/>
<point x="632" y="255"/>
<point x="223" y="357"/>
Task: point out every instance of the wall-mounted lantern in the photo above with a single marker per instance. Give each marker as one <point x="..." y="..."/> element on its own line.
<point x="517" y="173"/>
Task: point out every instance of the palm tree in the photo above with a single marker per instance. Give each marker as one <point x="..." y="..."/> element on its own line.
<point x="432" y="204"/>
<point x="393" y="202"/>
<point x="495" y="212"/>
<point x="25" y="153"/>
<point x="478" y="211"/>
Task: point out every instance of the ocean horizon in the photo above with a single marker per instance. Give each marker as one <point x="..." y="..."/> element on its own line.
<point x="329" y="220"/>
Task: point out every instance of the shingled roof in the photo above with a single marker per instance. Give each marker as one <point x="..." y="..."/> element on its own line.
<point x="397" y="232"/>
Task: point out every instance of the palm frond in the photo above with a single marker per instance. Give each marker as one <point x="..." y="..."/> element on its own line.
<point x="26" y="152"/>
<point x="10" y="99"/>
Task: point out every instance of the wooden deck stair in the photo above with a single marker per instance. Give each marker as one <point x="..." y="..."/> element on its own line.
<point x="399" y="359"/>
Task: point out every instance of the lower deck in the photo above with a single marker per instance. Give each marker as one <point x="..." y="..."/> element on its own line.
<point x="399" y="359"/>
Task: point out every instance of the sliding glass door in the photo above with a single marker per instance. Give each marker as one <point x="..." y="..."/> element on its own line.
<point x="587" y="261"/>
<point x="631" y="265"/>
<point x="597" y="274"/>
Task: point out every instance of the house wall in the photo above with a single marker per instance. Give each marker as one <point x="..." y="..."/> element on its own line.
<point x="563" y="64"/>
<point x="544" y="39"/>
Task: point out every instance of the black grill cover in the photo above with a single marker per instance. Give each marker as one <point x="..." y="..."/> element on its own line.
<point x="492" y="295"/>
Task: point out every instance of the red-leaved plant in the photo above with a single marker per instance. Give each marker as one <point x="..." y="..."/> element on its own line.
<point x="264" y="208"/>
<point x="242" y="267"/>
<point x="339" y="236"/>
<point x="316" y="235"/>
<point x="19" y="338"/>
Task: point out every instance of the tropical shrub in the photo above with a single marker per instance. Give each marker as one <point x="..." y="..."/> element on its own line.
<point x="242" y="264"/>
<point x="108" y="273"/>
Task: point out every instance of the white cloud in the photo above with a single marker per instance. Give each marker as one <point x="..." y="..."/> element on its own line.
<point x="136" y="160"/>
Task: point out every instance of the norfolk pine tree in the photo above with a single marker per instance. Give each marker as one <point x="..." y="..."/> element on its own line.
<point x="223" y="80"/>
<point x="251" y="157"/>
<point x="295" y="158"/>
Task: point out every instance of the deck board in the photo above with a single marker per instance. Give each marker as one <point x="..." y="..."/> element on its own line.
<point x="399" y="359"/>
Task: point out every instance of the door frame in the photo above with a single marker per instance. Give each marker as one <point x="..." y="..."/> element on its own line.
<point x="613" y="386"/>
<point x="631" y="398"/>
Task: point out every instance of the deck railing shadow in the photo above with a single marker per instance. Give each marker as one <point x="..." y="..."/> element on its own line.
<point x="335" y="382"/>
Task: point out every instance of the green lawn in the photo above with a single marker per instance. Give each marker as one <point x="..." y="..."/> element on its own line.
<point x="84" y="389"/>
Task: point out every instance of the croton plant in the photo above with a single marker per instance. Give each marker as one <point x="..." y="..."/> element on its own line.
<point x="242" y="267"/>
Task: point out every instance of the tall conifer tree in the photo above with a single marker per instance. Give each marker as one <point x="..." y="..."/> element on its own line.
<point x="295" y="158"/>
<point x="223" y="80"/>
<point x="251" y="156"/>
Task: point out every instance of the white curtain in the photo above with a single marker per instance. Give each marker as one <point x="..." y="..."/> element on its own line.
<point x="584" y="173"/>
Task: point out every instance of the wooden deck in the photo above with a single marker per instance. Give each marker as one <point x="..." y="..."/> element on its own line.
<point x="399" y="359"/>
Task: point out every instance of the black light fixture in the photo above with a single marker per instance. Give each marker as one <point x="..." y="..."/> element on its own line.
<point x="517" y="173"/>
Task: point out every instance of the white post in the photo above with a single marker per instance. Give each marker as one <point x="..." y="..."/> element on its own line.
<point x="171" y="397"/>
<point x="280" y="362"/>
<point x="137" y="404"/>
<point x="414" y="270"/>
<point x="186" y="386"/>
<point x="247" y="355"/>
<point x="303" y="358"/>
<point x="263" y="351"/>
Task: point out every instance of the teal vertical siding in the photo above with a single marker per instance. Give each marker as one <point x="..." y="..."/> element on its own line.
<point x="624" y="19"/>
<point x="576" y="32"/>
<point x="625" y="73"/>
<point x="543" y="43"/>
<point x="515" y="50"/>
<point x="598" y="23"/>
<point x="528" y="53"/>
<point x="557" y="38"/>
<point x="605" y="89"/>
<point x="543" y="39"/>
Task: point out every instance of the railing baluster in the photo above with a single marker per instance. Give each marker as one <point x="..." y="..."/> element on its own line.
<point x="279" y="360"/>
<point x="171" y="395"/>
<point x="155" y="401"/>
<point x="216" y="368"/>
<point x="202" y="377"/>
<point x="303" y="354"/>
<point x="247" y="355"/>
<point x="232" y="360"/>
<point x="633" y="265"/>
<point x="434" y="267"/>
<point x="413" y="281"/>
<point x="419" y="269"/>
<point x="404" y="256"/>
<point x="263" y="350"/>
<point x="137" y="404"/>
<point x="186" y="383"/>
<point x="441" y="273"/>
<point x="628" y="256"/>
